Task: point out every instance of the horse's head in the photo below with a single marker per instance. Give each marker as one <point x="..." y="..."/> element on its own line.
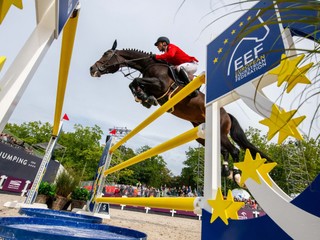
<point x="108" y="63"/>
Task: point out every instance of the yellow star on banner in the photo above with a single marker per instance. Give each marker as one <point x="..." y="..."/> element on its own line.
<point x="233" y="209"/>
<point x="288" y="71"/>
<point x="219" y="206"/>
<point x="215" y="60"/>
<point x="264" y="170"/>
<point x="6" y="4"/>
<point x="2" y="61"/>
<point x="299" y="77"/>
<point x="249" y="167"/>
<point x="282" y="122"/>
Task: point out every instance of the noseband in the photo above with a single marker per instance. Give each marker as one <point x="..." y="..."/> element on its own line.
<point x="106" y="64"/>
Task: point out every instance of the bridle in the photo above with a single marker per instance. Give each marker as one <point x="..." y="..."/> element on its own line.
<point x="105" y="65"/>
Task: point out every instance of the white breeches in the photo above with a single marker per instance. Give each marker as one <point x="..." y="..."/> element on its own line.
<point x="190" y="67"/>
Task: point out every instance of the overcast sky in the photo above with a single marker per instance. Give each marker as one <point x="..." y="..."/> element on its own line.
<point x="107" y="101"/>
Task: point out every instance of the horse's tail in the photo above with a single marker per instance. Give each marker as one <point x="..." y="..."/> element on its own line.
<point x="238" y="135"/>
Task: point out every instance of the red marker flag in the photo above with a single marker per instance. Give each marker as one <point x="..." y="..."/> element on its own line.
<point x="65" y="117"/>
<point x="113" y="132"/>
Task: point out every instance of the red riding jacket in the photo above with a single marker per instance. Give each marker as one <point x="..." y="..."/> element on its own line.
<point x="175" y="56"/>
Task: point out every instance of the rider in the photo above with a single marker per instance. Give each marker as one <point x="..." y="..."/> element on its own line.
<point x="186" y="65"/>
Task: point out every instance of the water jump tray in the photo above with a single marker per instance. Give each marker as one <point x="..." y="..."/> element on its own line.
<point x="49" y="213"/>
<point x="23" y="228"/>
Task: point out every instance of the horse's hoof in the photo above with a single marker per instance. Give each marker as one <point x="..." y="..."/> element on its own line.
<point x="145" y="104"/>
<point x="225" y="171"/>
<point x="137" y="99"/>
<point x="152" y="101"/>
<point x="237" y="177"/>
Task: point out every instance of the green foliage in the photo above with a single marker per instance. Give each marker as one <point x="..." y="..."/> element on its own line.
<point x="80" y="194"/>
<point x="192" y="175"/>
<point x="83" y="151"/>
<point x="47" y="189"/>
<point x="65" y="184"/>
<point x="152" y="171"/>
<point x="31" y="132"/>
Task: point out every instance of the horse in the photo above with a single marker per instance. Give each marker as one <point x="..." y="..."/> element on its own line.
<point x="159" y="80"/>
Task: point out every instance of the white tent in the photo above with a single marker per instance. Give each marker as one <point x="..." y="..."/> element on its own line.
<point x="240" y="194"/>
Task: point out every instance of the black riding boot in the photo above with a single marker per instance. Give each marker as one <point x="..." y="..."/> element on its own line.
<point x="183" y="75"/>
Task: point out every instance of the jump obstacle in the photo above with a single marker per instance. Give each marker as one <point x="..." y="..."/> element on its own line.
<point x="20" y="73"/>
<point x="286" y="218"/>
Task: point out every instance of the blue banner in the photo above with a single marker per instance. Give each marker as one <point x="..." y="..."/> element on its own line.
<point x="99" y="174"/>
<point x="64" y="10"/>
<point x="250" y="47"/>
<point x="302" y="18"/>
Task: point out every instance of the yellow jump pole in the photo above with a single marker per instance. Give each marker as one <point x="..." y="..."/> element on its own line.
<point x="69" y="32"/>
<point x="194" y="84"/>
<point x="165" y="146"/>
<point x="176" y="203"/>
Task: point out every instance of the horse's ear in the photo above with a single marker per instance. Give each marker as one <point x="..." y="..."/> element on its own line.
<point x="114" y="46"/>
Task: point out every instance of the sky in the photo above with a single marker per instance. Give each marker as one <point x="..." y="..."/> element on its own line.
<point x="107" y="101"/>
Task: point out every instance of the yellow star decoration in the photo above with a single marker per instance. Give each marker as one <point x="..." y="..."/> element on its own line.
<point x="282" y="122"/>
<point x="220" y="50"/>
<point x="288" y="71"/>
<point x="6" y="4"/>
<point x="224" y="208"/>
<point x="233" y="31"/>
<point x="249" y="167"/>
<point x="226" y="41"/>
<point x="264" y="170"/>
<point x="215" y="60"/>
<point x="232" y="211"/>
<point x="2" y="60"/>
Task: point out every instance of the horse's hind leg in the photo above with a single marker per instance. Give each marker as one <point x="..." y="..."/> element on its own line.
<point x="225" y="170"/>
<point x="228" y="148"/>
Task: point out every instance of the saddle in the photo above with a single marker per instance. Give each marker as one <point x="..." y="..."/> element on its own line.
<point x="172" y="72"/>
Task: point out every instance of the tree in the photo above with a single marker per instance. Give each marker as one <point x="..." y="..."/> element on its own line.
<point x="31" y="132"/>
<point x="152" y="171"/>
<point x="192" y="174"/>
<point x="83" y="150"/>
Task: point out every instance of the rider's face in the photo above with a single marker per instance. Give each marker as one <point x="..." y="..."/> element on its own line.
<point x="162" y="46"/>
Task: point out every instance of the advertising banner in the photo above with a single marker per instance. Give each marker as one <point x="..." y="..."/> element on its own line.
<point x="250" y="47"/>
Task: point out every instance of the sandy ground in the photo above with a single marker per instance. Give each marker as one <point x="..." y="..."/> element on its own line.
<point x="157" y="227"/>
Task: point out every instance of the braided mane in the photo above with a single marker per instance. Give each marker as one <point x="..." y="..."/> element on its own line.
<point x="137" y="50"/>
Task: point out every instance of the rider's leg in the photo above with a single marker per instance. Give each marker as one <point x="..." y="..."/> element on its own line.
<point x="186" y="73"/>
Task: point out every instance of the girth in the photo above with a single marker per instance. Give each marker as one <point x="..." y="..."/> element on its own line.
<point x="168" y="94"/>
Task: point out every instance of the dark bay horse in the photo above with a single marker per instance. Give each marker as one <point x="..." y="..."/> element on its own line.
<point x="157" y="80"/>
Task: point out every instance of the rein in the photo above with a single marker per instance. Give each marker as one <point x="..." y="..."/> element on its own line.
<point x="106" y="65"/>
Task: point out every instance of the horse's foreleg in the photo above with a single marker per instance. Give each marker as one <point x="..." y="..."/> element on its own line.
<point x="138" y="93"/>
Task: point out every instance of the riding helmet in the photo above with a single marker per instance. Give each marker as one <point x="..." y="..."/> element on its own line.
<point x="162" y="39"/>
